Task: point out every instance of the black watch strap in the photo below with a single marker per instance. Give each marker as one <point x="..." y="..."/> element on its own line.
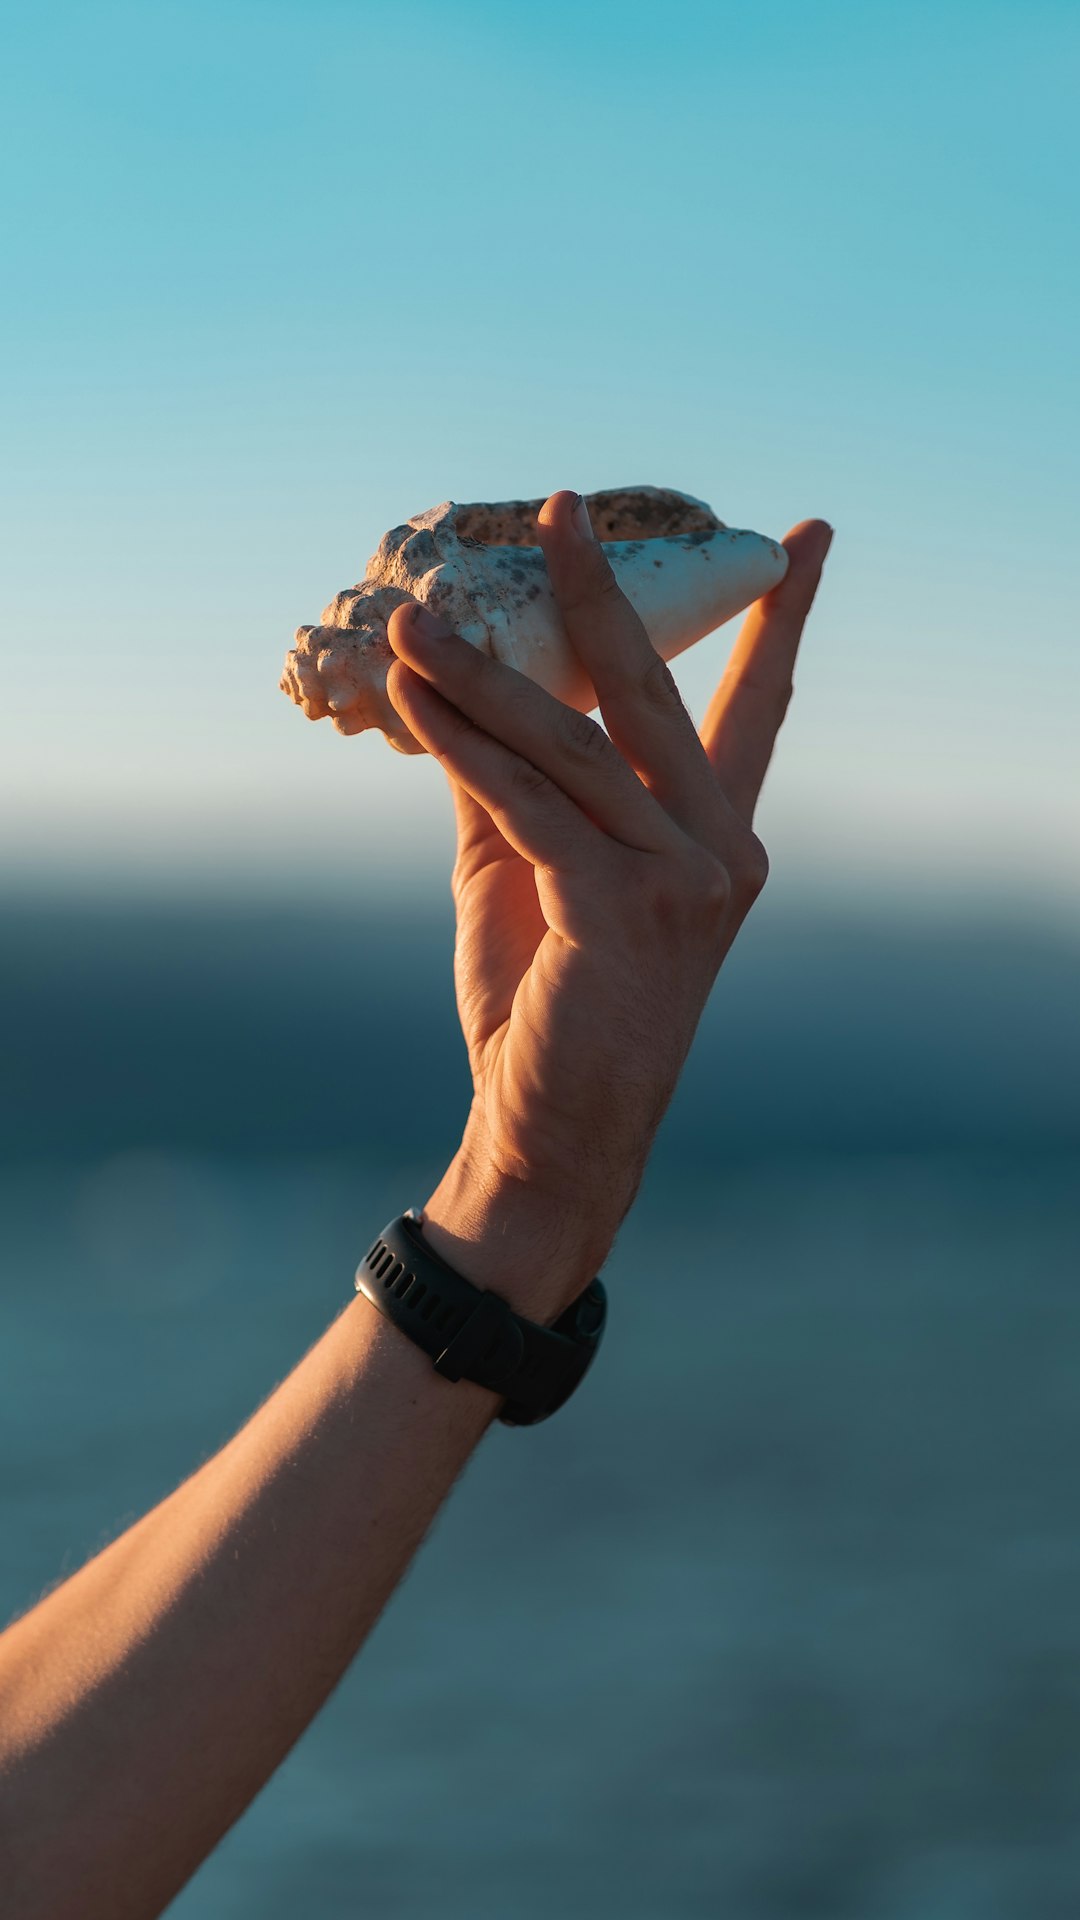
<point x="473" y="1334"/>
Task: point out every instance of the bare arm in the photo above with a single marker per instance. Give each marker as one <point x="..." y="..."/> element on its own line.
<point x="599" y="883"/>
<point x="146" y="1701"/>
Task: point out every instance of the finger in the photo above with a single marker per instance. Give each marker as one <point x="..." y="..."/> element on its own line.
<point x="533" y="816"/>
<point x="558" y="740"/>
<point x="474" y="822"/>
<point x="746" y="711"/>
<point x="480" y="844"/>
<point x="641" y="704"/>
<point x="477" y="835"/>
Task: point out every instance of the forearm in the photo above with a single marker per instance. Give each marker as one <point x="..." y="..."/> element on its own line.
<point x="146" y="1701"/>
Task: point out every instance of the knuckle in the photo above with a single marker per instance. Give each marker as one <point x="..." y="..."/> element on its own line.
<point x="714" y="889"/>
<point x="690" y="897"/>
<point x="656" y="684"/>
<point x="751" y="867"/>
<point x="579" y="736"/>
<point x="459" y="881"/>
<point x="459" y="724"/>
<point x="527" y="781"/>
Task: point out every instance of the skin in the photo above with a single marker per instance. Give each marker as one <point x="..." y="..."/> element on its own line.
<point x="599" y="883"/>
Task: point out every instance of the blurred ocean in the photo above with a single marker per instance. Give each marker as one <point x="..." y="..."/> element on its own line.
<point x="780" y="1617"/>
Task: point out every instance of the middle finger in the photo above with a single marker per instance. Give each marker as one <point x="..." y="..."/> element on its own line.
<point x="642" y="708"/>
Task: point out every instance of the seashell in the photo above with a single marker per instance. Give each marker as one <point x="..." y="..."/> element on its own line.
<point x="479" y="567"/>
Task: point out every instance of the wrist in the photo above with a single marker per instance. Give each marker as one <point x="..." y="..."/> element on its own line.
<point x="501" y="1233"/>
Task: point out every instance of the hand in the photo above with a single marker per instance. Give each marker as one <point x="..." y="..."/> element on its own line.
<point x="600" y="880"/>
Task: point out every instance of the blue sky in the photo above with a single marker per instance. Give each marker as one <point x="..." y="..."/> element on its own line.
<point x="280" y="275"/>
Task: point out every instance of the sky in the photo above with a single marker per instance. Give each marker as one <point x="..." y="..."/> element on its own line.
<point x="280" y="275"/>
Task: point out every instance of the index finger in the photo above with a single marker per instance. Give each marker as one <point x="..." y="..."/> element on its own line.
<point x="744" y="716"/>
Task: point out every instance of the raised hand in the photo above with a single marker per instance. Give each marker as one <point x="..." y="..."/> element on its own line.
<point x="600" y="880"/>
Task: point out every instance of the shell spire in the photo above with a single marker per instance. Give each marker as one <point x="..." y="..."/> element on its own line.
<point x="479" y="567"/>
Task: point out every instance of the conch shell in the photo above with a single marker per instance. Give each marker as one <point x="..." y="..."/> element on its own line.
<point x="480" y="568"/>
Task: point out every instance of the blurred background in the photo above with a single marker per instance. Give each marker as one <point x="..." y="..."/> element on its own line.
<point x="780" y="1617"/>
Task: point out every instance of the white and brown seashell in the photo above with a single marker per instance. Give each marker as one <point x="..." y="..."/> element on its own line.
<point x="480" y="568"/>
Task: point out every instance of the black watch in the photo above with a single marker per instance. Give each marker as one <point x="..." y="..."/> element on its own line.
<point x="472" y="1334"/>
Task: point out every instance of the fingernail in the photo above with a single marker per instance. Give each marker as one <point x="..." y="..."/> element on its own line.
<point x="579" y="519"/>
<point x="425" y="626"/>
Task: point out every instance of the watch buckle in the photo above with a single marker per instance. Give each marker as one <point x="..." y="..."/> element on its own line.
<point x="487" y="1348"/>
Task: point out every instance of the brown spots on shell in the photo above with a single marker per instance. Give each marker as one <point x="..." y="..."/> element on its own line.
<point x="617" y="513"/>
<point x="647" y="513"/>
<point x="512" y="524"/>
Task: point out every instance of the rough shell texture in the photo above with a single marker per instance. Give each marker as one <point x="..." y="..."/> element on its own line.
<point x="479" y="567"/>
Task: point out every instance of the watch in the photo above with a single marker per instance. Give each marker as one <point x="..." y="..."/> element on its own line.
<point x="473" y="1334"/>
